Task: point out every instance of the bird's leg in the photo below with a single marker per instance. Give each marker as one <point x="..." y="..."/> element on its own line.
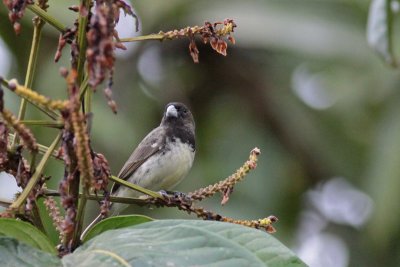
<point x="173" y="196"/>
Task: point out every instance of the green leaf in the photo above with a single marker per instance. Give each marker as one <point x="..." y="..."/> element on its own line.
<point x="15" y="253"/>
<point x="115" y="223"/>
<point x="26" y="233"/>
<point x="379" y="30"/>
<point x="183" y="243"/>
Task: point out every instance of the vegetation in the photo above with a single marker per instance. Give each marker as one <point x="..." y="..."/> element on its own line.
<point x="300" y="83"/>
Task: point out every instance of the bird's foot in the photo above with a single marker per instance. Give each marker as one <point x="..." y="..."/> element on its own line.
<point x="175" y="196"/>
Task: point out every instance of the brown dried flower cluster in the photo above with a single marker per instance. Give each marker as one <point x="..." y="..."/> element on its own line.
<point x="210" y="32"/>
<point x="71" y="174"/>
<point x="100" y="182"/>
<point x="16" y="9"/>
<point x="77" y="160"/>
<point x="184" y="203"/>
<point x="100" y="53"/>
<point x="226" y="186"/>
<point x="12" y="162"/>
<point x="26" y="135"/>
<point x="55" y="215"/>
<point x="3" y="145"/>
<point x="66" y="37"/>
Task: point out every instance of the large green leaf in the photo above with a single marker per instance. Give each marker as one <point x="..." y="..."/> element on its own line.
<point x="26" y="233"/>
<point x="115" y="222"/>
<point x="379" y="31"/>
<point x="183" y="243"/>
<point x="16" y="253"/>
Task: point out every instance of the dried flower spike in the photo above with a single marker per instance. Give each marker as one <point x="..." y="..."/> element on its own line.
<point x="210" y="32"/>
<point x="226" y="186"/>
<point x="16" y="11"/>
<point x="26" y="135"/>
<point x="35" y="97"/>
<point x="54" y="213"/>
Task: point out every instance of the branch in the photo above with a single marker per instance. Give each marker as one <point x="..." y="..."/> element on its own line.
<point x="136" y="187"/>
<point x="46" y="17"/>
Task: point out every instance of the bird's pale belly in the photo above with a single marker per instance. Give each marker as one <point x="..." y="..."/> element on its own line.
<point x="162" y="173"/>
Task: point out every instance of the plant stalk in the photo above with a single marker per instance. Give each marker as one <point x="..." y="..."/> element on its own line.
<point x="46" y="17"/>
<point x="82" y="41"/>
<point x="51" y="124"/>
<point x="30" y="72"/>
<point x="127" y="200"/>
<point x="159" y="37"/>
<point x="136" y="187"/>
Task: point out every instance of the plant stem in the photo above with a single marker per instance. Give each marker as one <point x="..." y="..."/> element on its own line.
<point x="52" y="124"/>
<point x="87" y="108"/>
<point x="83" y="87"/>
<point x="35" y="176"/>
<point x="159" y="37"/>
<point x="136" y="187"/>
<point x="79" y="220"/>
<point x="36" y="217"/>
<point x="127" y="200"/>
<point x="46" y="17"/>
<point x="42" y="148"/>
<point x="37" y="31"/>
<point x="82" y="44"/>
<point x="82" y="41"/>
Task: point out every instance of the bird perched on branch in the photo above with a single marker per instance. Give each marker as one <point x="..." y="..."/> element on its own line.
<point x="162" y="159"/>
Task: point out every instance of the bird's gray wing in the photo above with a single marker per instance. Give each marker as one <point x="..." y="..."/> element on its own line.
<point x="149" y="146"/>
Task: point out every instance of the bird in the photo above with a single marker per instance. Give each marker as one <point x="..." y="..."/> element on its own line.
<point x="161" y="160"/>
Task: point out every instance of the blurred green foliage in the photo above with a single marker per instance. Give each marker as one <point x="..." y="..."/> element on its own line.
<point x="301" y="84"/>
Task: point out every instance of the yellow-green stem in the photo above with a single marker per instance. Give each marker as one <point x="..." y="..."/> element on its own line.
<point x="88" y="101"/>
<point x="159" y="37"/>
<point x="46" y="17"/>
<point x="83" y="87"/>
<point x="127" y="200"/>
<point x="52" y="124"/>
<point x="82" y="41"/>
<point x="35" y="176"/>
<point x="136" y="187"/>
<point x="30" y="72"/>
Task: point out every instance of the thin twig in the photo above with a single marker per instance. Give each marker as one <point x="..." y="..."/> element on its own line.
<point x="51" y="124"/>
<point x="30" y="72"/>
<point x="46" y="17"/>
<point x="136" y="187"/>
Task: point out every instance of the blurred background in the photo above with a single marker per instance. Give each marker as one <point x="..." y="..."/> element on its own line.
<point x="301" y="84"/>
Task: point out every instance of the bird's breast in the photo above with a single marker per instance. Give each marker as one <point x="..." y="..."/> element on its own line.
<point x="167" y="168"/>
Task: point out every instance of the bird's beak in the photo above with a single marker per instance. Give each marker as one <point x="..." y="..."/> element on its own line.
<point x="171" y="111"/>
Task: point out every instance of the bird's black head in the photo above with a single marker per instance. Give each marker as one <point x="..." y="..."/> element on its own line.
<point x="177" y="114"/>
<point x="179" y="123"/>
